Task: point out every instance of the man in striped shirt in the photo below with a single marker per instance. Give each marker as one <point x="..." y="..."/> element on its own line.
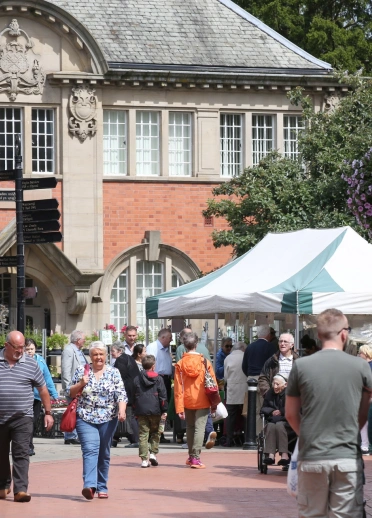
<point x="19" y="374"/>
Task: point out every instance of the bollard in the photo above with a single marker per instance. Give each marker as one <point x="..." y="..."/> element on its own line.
<point x="250" y="442"/>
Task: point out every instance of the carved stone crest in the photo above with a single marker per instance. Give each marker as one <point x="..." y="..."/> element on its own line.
<point x="83" y="108"/>
<point x="331" y="102"/>
<point x="20" y="69"/>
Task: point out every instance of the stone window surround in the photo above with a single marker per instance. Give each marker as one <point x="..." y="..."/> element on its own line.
<point x="247" y="152"/>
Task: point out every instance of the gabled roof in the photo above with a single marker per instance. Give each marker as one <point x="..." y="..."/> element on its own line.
<point x="186" y="33"/>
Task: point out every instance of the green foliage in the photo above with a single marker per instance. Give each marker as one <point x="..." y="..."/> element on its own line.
<point x="35" y="335"/>
<point x="280" y="195"/>
<point x="57" y="341"/>
<point x="337" y="32"/>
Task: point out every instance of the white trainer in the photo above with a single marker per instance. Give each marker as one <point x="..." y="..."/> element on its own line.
<point x="211" y="440"/>
<point x="145" y="464"/>
<point x="153" y="460"/>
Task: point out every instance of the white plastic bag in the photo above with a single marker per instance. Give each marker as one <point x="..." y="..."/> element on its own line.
<point x="292" y="479"/>
<point x="220" y="413"/>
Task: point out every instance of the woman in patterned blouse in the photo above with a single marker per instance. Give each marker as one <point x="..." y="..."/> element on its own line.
<point x="102" y="402"/>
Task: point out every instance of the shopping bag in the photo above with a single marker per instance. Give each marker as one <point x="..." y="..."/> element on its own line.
<point x="292" y="479"/>
<point x="211" y="389"/>
<point x="220" y="413"/>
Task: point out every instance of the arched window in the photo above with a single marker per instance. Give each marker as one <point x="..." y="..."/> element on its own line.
<point x="150" y="282"/>
<point x="119" y="301"/>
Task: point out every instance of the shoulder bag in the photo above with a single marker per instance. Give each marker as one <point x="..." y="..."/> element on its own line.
<point x="68" y="420"/>
<point x="211" y="389"/>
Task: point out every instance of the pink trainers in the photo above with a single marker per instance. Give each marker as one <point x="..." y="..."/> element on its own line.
<point x="196" y="464"/>
<point x="188" y="462"/>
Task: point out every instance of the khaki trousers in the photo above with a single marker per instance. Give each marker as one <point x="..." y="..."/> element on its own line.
<point x="276" y="438"/>
<point x="330" y="488"/>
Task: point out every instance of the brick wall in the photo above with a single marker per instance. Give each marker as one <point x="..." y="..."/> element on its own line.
<point x="131" y="208"/>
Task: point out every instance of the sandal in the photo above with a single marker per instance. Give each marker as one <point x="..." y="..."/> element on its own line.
<point x="102" y="495"/>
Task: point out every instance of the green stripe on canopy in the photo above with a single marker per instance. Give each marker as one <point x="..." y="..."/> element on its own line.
<point x="308" y="280"/>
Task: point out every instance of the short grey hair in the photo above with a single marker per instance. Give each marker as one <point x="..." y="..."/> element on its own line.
<point x="239" y="346"/>
<point x="76" y="335"/>
<point x="97" y="345"/>
<point x="190" y="340"/>
<point x="225" y="339"/>
<point x="291" y="340"/>
<point x="117" y="346"/>
<point x="164" y="331"/>
<point x="263" y="331"/>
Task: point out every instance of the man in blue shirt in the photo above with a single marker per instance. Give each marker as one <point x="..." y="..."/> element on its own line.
<point x="226" y="345"/>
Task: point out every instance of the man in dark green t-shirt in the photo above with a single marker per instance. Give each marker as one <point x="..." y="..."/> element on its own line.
<point x="332" y="389"/>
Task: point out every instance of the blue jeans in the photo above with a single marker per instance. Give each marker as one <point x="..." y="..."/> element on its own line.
<point x="208" y="427"/>
<point x="95" y="445"/>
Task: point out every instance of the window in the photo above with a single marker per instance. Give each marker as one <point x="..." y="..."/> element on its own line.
<point x="42" y="141"/>
<point x="147" y="143"/>
<point x="150" y="282"/>
<point x="114" y="142"/>
<point x="119" y="302"/>
<point x="5" y="288"/>
<point x="10" y="125"/>
<point x="179" y="144"/>
<point x="262" y="136"/>
<point x="231" y="144"/>
<point x="293" y="125"/>
<point x="177" y="280"/>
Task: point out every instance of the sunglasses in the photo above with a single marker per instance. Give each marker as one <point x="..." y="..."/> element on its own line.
<point x="345" y="329"/>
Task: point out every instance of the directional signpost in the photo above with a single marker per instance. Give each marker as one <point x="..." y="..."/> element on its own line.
<point x="8" y="261"/>
<point x="37" y="222"/>
<point x="7" y="196"/>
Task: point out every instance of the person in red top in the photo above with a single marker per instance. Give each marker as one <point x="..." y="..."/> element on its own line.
<point x="190" y="399"/>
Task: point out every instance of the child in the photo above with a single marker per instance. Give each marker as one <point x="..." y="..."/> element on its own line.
<point x="149" y="406"/>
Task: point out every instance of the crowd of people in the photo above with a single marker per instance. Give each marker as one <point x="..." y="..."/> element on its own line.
<point x="133" y="393"/>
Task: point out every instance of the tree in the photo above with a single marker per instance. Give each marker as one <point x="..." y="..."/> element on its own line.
<point x="281" y="195"/>
<point x="339" y="32"/>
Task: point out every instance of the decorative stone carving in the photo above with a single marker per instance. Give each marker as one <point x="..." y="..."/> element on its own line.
<point x="20" y="70"/>
<point x="83" y="108"/>
<point x="78" y="302"/>
<point x="331" y="102"/>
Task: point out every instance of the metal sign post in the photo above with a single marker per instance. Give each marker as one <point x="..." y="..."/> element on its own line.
<point x="20" y="242"/>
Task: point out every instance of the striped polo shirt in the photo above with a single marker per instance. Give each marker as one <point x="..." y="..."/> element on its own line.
<point x="16" y="387"/>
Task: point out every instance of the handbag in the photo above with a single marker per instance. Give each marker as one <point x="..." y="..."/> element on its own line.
<point x="292" y="479"/>
<point x="211" y="389"/>
<point x="68" y="419"/>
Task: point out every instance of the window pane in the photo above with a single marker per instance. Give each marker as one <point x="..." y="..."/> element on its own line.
<point x="147" y="143"/>
<point x="119" y="301"/>
<point x="179" y="142"/>
<point x="42" y="140"/>
<point x="114" y="142"/>
<point x="292" y="126"/>
<point x="231" y="156"/>
<point x="10" y="125"/>
<point x="262" y="136"/>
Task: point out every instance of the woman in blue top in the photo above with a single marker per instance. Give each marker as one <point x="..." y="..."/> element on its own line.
<point x="31" y="351"/>
<point x="102" y="402"/>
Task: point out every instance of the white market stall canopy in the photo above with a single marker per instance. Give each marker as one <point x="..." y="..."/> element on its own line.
<point x="301" y="272"/>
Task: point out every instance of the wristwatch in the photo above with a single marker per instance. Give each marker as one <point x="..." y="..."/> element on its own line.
<point x="48" y="412"/>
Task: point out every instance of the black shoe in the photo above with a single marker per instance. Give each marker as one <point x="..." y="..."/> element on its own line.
<point x="72" y="441"/>
<point x="163" y="440"/>
<point x="269" y="461"/>
<point x="31" y="452"/>
<point x="114" y="443"/>
<point x="284" y="462"/>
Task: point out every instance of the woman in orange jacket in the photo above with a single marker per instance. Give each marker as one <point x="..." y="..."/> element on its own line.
<point x="190" y="399"/>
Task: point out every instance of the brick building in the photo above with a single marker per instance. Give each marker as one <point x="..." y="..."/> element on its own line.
<point x="139" y="108"/>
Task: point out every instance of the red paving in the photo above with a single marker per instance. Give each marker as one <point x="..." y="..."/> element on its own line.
<point x="231" y="486"/>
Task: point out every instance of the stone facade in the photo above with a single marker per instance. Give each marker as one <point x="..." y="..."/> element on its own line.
<point x="134" y="67"/>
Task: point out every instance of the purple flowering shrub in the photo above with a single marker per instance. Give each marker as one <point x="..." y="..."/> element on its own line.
<point x="360" y="191"/>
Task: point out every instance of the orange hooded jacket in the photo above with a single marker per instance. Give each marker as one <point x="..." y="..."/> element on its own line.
<point x="189" y="378"/>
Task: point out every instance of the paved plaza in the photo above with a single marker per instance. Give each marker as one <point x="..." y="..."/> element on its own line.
<point x="231" y="486"/>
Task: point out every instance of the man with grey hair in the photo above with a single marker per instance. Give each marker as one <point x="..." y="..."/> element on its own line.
<point x="327" y="401"/>
<point x="236" y="383"/>
<point x="181" y="349"/>
<point x="280" y="363"/>
<point x="72" y="357"/>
